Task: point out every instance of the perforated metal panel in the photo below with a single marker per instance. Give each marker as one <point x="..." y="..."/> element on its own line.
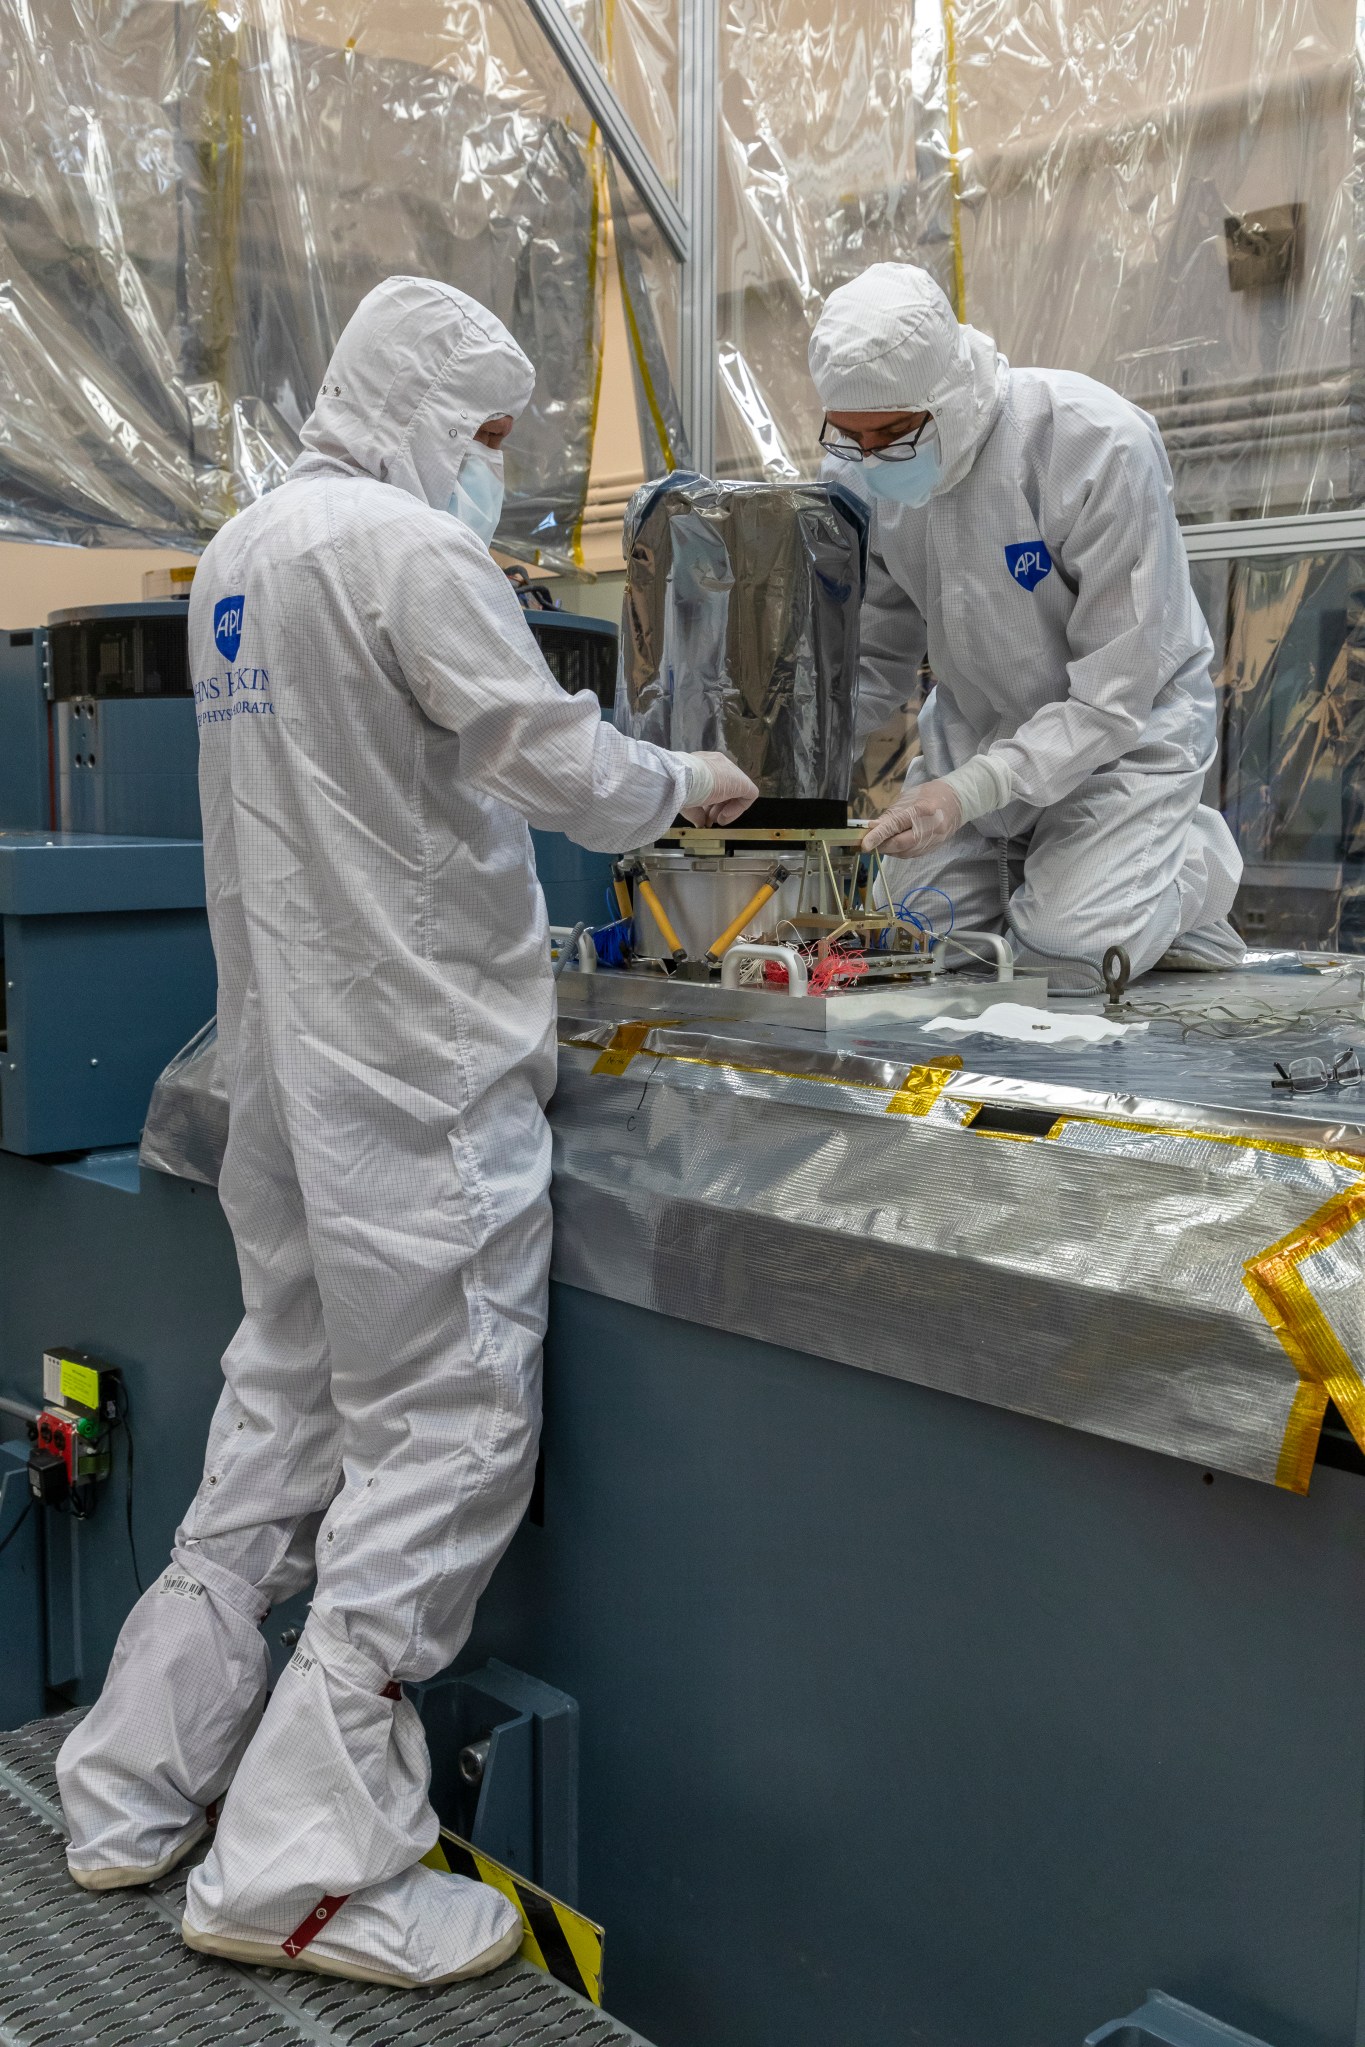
<point x="78" y="1970"/>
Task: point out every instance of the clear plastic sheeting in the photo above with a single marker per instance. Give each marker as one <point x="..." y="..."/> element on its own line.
<point x="1164" y="197"/>
<point x="187" y="1121"/>
<point x="1290" y="779"/>
<point x="831" y="155"/>
<point x="740" y="627"/>
<point x="1161" y="196"/>
<point x="194" y="198"/>
<point x="1033" y="1247"/>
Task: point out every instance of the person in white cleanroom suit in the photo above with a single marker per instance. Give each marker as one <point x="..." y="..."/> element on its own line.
<point x="376" y="725"/>
<point x="1030" y="543"/>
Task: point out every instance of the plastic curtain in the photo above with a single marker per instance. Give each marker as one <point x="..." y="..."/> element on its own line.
<point x="193" y="198"/>
<point x="1290" y="779"/>
<point x="1162" y="196"/>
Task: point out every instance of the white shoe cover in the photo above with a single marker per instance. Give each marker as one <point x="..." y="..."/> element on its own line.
<point x="331" y="1801"/>
<point x="420" y="1928"/>
<point x="181" y="1701"/>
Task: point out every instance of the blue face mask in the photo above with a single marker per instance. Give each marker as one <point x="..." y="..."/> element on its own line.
<point x="478" y="492"/>
<point x="907" y="483"/>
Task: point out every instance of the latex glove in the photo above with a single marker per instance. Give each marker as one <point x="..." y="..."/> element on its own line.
<point x="729" y="795"/>
<point x="917" y="822"/>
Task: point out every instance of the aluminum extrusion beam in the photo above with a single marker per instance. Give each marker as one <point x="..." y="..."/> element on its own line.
<point x="617" y="128"/>
<point x="1296" y="533"/>
<point x="698" y="53"/>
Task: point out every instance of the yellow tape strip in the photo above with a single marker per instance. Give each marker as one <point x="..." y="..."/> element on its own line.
<point x="626" y="1041"/>
<point x="1352" y="1162"/>
<point x="923" y="1085"/>
<point x="1349" y="1161"/>
<point x="597" y="300"/>
<point x="1283" y="1296"/>
<point x="954" y="158"/>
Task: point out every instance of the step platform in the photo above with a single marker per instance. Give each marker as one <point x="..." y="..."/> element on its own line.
<point x="85" y="1970"/>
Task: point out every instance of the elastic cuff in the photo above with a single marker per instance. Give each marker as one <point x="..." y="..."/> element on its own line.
<point x="701" y="782"/>
<point x="324" y="1638"/>
<point x="981" y="784"/>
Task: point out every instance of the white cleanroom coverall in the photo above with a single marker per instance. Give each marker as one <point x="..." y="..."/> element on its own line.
<point x="376" y="727"/>
<point x="1047" y="580"/>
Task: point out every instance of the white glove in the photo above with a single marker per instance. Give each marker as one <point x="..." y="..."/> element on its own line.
<point x="718" y="792"/>
<point x="917" y="822"/>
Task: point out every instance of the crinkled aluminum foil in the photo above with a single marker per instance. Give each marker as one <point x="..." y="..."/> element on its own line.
<point x="739" y="631"/>
<point x="1037" y="1249"/>
<point x="1187" y="1279"/>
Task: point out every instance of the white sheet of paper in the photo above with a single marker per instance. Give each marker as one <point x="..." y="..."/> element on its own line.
<point x="1034" y="1026"/>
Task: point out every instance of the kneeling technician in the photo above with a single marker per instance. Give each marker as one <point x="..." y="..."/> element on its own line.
<point x="1024" y="533"/>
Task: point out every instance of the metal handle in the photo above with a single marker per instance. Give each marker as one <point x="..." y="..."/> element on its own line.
<point x="580" y="941"/>
<point x="965" y="940"/>
<point x="797" y="978"/>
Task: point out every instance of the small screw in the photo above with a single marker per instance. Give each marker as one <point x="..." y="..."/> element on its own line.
<point x="289" y="1636"/>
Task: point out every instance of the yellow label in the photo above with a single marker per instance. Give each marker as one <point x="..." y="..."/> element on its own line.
<point x="626" y="1041"/>
<point x="80" y="1383"/>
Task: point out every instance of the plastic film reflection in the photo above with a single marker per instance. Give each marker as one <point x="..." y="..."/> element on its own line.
<point x="192" y="202"/>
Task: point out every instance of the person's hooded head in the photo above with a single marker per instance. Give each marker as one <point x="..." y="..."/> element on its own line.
<point x="419" y="370"/>
<point x="888" y="347"/>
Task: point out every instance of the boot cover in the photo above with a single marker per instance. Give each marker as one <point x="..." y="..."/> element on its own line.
<point x="316" y="1860"/>
<point x="414" y="1931"/>
<point x="159" y="1748"/>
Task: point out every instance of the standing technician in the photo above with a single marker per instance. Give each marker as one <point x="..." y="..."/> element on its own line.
<point x="376" y="725"/>
<point x="1024" y="534"/>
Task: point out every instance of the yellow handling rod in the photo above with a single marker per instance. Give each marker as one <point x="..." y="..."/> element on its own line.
<point x="620" y="881"/>
<point x="720" y="946"/>
<point x="658" y="913"/>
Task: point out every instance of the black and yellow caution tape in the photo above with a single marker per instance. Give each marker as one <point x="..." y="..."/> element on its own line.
<point x="557" y="1939"/>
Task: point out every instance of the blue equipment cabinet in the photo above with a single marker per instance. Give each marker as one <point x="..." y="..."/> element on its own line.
<point x="25" y="764"/>
<point x="125" y="752"/>
<point x="108" y="967"/>
<point x="108" y="971"/>
<point x="581" y="654"/>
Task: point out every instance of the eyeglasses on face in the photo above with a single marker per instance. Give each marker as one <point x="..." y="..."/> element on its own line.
<point x="845" y="450"/>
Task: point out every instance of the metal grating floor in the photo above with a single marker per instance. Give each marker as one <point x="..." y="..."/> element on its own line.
<point x="78" y="1970"/>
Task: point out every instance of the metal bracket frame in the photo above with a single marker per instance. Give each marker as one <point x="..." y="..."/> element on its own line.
<point x="688" y="229"/>
<point x="1293" y="533"/>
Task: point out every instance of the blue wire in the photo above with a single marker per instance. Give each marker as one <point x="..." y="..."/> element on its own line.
<point x="927" y="889"/>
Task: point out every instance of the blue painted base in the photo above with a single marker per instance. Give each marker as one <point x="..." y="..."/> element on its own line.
<point x="575" y="882"/>
<point x="902" y="1718"/>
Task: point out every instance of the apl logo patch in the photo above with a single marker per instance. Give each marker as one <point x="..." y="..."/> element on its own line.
<point x="1028" y="561"/>
<point x="227" y="626"/>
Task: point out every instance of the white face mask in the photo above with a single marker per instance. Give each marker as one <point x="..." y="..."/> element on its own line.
<point x="478" y="493"/>
<point x="907" y="483"/>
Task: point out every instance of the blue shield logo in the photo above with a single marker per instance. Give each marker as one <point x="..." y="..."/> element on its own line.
<point x="1028" y="561"/>
<point x="227" y="626"/>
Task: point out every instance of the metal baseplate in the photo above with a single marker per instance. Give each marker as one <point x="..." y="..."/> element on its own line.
<point x="84" y="1970"/>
